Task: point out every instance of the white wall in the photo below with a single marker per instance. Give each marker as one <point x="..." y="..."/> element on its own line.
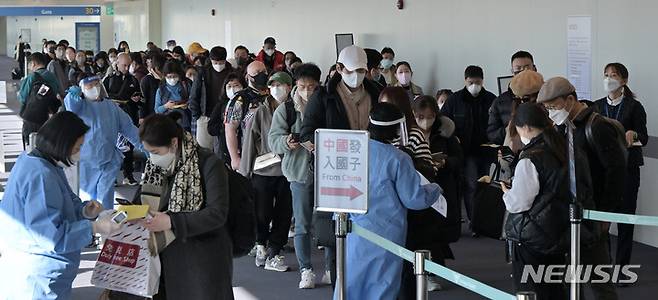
<point x="49" y="27"/>
<point x="440" y="38"/>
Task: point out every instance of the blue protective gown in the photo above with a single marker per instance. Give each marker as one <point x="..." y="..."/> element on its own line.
<point x="100" y="159"/>
<point x="394" y="186"/>
<point x="42" y="232"/>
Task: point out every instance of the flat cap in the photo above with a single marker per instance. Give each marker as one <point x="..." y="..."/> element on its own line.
<point x="526" y="83"/>
<point x="554" y="88"/>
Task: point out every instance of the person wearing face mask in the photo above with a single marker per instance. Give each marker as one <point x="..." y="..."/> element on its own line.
<point x="195" y="49"/>
<point x="191" y="73"/>
<point x="347" y="99"/>
<point x="622" y="105"/>
<point x="273" y="59"/>
<point x="55" y="67"/>
<point x="241" y="58"/>
<point x="596" y="169"/>
<point x="289" y="58"/>
<point x="173" y="94"/>
<point x="283" y="140"/>
<point x="78" y="67"/>
<point x="101" y="61"/>
<point x="49" y="50"/>
<point x="178" y="54"/>
<point x="442" y="96"/>
<point x="112" y="54"/>
<point x="388" y="66"/>
<point x="33" y="119"/>
<point x="233" y="84"/>
<point x="150" y="85"/>
<point x="240" y="110"/>
<point x="403" y="74"/>
<point x="171" y="44"/>
<point x="45" y="225"/>
<point x="540" y="192"/>
<point x="500" y="113"/>
<point x="207" y="89"/>
<point x="399" y="189"/>
<point x="374" y="72"/>
<point x="123" y="47"/>
<point x="469" y="109"/>
<point x="137" y="67"/>
<point x="268" y="180"/>
<point x="100" y="158"/>
<point x="524" y="88"/>
<point x="194" y="203"/>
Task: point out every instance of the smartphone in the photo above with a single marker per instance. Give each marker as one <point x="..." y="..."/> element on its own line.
<point x="294" y="138"/>
<point x="123" y="201"/>
<point x="307" y="145"/>
<point x="119" y="217"/>
<point x="507" y="185"/>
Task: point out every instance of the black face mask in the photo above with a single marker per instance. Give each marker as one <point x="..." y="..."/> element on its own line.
<point x="241" y="61"/>
<point x="260" y="80"/>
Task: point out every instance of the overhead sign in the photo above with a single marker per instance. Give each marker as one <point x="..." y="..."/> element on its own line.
<point x="50" y="11"/>
<point x="341" y="171"/>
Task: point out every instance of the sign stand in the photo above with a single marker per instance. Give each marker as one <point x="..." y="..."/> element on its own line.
<point x="575" y="217"/>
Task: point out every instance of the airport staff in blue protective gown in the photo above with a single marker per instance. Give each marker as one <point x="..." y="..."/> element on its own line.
<point x="395" y="186"/>
<point x="43" y="224"/>
<point x="100" y="160"/>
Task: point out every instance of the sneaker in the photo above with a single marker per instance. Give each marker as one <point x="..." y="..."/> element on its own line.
<point x="260" y="256"/>
<point x="130" y="181"/>
<point x="291" y="233"/>
<point x="276" y="263"/>
<point x="252" y="253"/>
<point x="433" y="284"/>
<point x="326" y="278"/>
<point x="308" y="279"/>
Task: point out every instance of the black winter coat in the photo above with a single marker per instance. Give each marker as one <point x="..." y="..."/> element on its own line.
<point x="471" y="116"/>
<point x="500" y="115"/>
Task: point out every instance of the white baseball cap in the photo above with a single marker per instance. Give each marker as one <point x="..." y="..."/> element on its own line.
<point x="353" y="57"/>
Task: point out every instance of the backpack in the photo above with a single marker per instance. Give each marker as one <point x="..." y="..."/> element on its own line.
<point x="619" y="132"/>
<point x="241" y="221"/>
<point x="41" y="101"/>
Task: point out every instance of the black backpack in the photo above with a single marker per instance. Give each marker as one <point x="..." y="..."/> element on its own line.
<point x="40" y="103"/>
<point x="241" y="221"/>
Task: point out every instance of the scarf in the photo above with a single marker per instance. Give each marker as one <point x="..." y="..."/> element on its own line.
<point x="186" y="192"/>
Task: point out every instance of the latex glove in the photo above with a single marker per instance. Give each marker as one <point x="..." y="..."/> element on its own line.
<point x="75" y="90"/>
<point x="160" y="222"/>
<point x="92" y="209"/>
<point x="104" y="224"/>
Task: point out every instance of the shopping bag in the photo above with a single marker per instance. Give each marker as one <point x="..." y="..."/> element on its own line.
<point x="204" y="138"/>
<point x="488" y="206"/>
<point x="125" y="263"/>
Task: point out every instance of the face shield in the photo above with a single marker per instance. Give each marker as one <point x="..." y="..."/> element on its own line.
<point x="403" y="134"/>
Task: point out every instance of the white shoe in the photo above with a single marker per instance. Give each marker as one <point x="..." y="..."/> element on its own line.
<point x="276" y="263"/>
<point x="253" y="250"/>
<point x="326" y="278"/>
<point x="308" y="279"/>
<point x="433" y="284"/>
<point x="260" y="256"/>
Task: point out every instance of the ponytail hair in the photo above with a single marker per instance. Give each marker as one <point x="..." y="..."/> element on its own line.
<point x="620" y="69"/>
<point x="532" y="115"/>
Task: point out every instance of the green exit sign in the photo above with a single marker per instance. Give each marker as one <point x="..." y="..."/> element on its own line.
<point x="109" y="9"/>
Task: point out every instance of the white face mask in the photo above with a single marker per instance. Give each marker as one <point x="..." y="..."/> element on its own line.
<point x="305" y="95"/>
<point x="474" y="89"/>
<point x="354" y="79"/>
<point x="131" y="69"/>
<point x="425" y="124"/>
<point x="610" y="84"/>
<point x="219" y="67"/>
<point x="525" y="140"/>
<point x="558" y="116"/>
<point x="75" y="158"/>
<point x="404" y="78"/>
<point x="171" y="48"/>
<point x="172" y="81"/>
<point x="269" y="52"/>
<point x="279" y="93"/>
<point x="59" y="54"/>
<point x="230" y="92"/>
<point x="92" y="94"/>
<point x="113" y="59"/>
<point x="163" y="161"/>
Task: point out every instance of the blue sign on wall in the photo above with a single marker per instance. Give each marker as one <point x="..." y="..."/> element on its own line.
<point x="50" y="11"/>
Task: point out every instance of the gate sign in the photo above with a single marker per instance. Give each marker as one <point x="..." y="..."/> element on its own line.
<point x="341" y="171"/>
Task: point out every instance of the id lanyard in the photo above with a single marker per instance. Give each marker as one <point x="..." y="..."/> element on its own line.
<point x="621" y="105"/>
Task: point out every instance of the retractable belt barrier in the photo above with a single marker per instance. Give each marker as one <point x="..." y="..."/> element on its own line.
<point x="620" y="218"/>
<point x="436" y="269"/>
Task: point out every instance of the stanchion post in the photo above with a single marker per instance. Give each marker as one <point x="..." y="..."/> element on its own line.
<point x="526" y="296"/>
<point x="575" y="217"/>
<point x="342" y="228"/>
<point x="421" y="275"/>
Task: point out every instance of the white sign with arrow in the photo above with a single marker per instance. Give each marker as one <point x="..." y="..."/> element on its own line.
<point x="341" y="171"/>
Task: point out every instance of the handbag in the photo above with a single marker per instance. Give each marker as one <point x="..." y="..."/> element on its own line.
<point x="488" y="206"/>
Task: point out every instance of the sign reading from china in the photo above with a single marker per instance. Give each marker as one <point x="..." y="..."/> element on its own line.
<point x="341" y="171"/>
